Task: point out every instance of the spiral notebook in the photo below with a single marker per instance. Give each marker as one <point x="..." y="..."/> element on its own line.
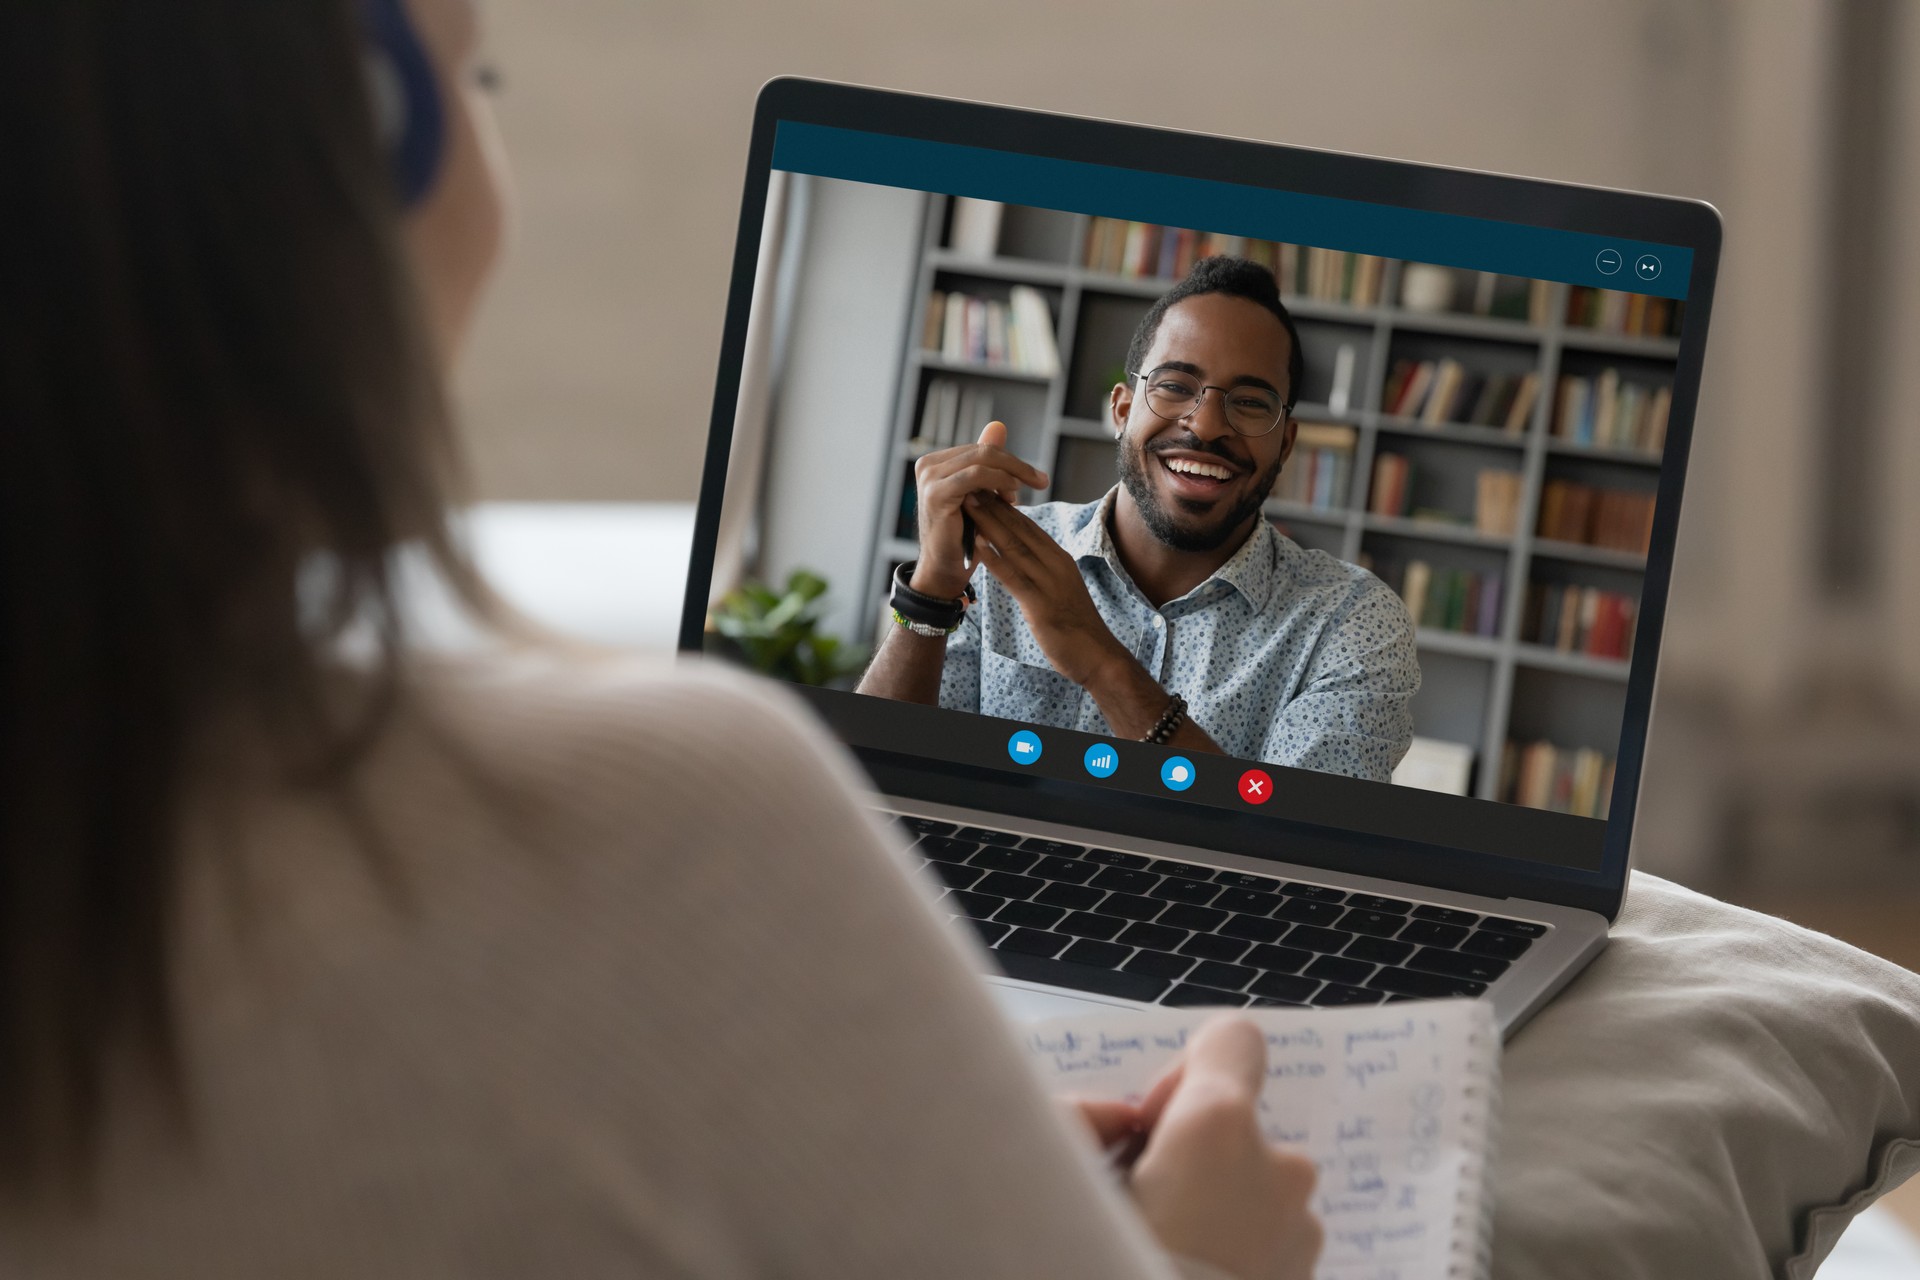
<point x="1394" y="1103"/>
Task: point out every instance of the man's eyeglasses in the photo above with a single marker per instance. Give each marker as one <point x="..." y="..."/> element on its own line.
<point x="1250" y="410"/>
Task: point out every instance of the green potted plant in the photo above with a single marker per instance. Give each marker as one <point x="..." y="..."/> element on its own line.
<point x="776" y="633"/>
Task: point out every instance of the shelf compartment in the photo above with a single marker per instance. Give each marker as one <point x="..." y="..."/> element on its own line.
<point x="1460" y="432"/>
<point x="1580" y="553"/>
<point x="1541" y="658"/>
<point x="1434" y="531"/>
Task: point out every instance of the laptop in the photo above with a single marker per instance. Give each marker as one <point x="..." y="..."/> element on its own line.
<point x="1239" y="568"/>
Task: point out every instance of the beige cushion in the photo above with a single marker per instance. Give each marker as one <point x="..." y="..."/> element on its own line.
<point x="1717" y="1095"/>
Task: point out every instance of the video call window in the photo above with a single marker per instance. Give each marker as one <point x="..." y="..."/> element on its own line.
<point x="1437" y="503"/>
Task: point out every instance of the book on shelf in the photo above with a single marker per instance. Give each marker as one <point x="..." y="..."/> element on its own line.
<point x="1606" y="412"/>
<point x="1392" y="485"/>
<point x="976" y="227"/>
<point x="1016" y="334"/>
<point x="1442" y="599"/>
<point x="1432" y="764"/>
<point x="1496" y="505"/>
<point x="1633" y="315"/>
<point x="1615" y="519"/>
<point x="1541" y="775"/>
<point x="1582" y="620"/>
<point x="952" y="414"/>
<point x="1320" y="472"/>
<point x="1442" y="392"/>
<point x="1340" y="393"/>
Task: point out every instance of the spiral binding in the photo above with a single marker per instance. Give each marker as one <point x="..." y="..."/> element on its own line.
<point x="1472" y="1247"/>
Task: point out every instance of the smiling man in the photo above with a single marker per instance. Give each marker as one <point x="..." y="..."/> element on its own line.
<point x="1169" y="611"/>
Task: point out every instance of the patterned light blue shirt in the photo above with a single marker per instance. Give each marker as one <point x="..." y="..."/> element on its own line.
<point x="1283" y="655"/>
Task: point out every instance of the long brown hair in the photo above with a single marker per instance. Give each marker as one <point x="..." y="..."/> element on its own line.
<point x="213" y="375"/>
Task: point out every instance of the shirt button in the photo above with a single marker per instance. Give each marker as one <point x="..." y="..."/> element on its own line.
<point x="1158" y="622"/>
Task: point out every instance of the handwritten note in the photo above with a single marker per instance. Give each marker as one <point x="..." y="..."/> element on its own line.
<point x="1389" y="1102"/>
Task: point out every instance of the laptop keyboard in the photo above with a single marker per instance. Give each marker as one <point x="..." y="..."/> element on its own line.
<point x="1177" y="933"/>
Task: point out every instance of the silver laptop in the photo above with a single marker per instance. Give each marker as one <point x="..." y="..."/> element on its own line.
<point x="1239" y="568"/>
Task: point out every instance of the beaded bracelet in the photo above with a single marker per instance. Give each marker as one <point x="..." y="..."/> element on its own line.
<point x="1169" y="723"/>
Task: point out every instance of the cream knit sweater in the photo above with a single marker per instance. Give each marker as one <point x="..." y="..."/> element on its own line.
<point x="623" y="984"/>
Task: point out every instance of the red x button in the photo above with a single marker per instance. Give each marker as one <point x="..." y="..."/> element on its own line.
<point x="1255" y="787"/>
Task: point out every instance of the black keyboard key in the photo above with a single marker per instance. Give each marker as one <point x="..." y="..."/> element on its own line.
<point x="1227" y="977"/>
<point x="1426" y="986"/>
<point x="1185" y="870"/>
<point x="980" y="906"/>
<point x="1054" y="848"/>
<point x="1186" y="997"/>
<point x="1329" y="941"/>
<point x="1211" y="946"/>
<point x="1255" y="928"/>
<point x="986" y="835"/>
<point x="1080" y="977"/>
<point x="1121" y="880"/>
<point x="1371" y="902"/>
<point x="1457" y="965"/>
<point x="1101" y="955"/>
<point x="1280" y="986"/>
<point x="1431" y="933"/>
<point x="1158" y="964"/>
<point x="1033" y="942"/>
<point x="946" y="849"/>
<point x="990" y="932"/>
<point x="1250" y="902"/>
<point x="1444" y="915"/>
<point x="1332" y="968"/>
<point x="1241" y="880"/>
<point x="1525" y="928"/>
<point x="1305" y="911"/>
<point x="1068" y="870"/>
<point x="1130" y="906"/>
<point x="1507" y="946"/>
<point x="1154" y="937"/>
<point x="1084" y="924"/>
<point x="925" y="826"/>
<point x="1030" y="915"/>
<point x="1315" y="892"/>
<point x="956" y="875"/>
<point x="1197" y="892"/>
<point x="1114" y="858"/>
<point x="1074" y="897"/>
<point x="1278" y="959"/>
<point x="994" y="858"/>
<point x="1380" y="924"/>
<point x="1378" y="950"/>
<point x="1263" y="1002"/>
<point x="1199" y="919"/>
<point x="1008" y="885"/>
<point x="1336" y="994"/>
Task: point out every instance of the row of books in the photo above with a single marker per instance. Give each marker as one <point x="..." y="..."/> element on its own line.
<point x="1565" y="780"/>
<point x="1445" y="391"/>
<point x="1447" y="599"/>
<point x="1496" y="508"/>
<point x="1607" y="413"/>
<point x="953" y="413"/>
<point x="1016" y="334"/>
<point x="1633" y="314"/>
<point x="1616" y="519"/>
<point x="1320" y="472"/>
<point x="1491" y="294"/>
<point x="1579" y="620"/>
<point x="1146" y="250"/>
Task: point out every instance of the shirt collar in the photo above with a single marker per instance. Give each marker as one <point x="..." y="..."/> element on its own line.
<point x="1253" y="570"/>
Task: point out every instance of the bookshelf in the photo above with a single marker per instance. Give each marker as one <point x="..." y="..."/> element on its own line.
<point x="1483" y="690"/>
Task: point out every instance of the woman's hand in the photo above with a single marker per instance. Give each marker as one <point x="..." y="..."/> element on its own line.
<point x="1208" y="1183"/>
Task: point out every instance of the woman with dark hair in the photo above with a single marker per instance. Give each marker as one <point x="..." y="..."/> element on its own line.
<point x="327" y="966"/>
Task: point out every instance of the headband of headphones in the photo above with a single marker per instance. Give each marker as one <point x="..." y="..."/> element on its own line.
<point x="406" y="97"/>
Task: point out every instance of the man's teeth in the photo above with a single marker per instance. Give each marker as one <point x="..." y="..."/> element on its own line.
<point x="1187" y="467"/>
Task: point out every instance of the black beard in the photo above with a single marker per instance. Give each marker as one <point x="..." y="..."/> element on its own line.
<point x="1160" y="521"/>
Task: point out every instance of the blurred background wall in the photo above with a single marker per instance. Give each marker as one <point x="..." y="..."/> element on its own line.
<point x="1786" y="746"/>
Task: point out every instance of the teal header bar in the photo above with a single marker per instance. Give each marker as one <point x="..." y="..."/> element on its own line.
<point x="1230" y="208"/>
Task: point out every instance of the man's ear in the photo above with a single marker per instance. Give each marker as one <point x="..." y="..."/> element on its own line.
<point x="1120" y="407"/>
<point x="1288" y="430"/>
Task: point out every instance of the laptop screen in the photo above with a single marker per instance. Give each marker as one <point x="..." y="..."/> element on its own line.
<point x="1327" y="513"/>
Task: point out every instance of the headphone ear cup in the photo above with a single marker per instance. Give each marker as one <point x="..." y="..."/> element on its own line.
<point x="405" y="92"/>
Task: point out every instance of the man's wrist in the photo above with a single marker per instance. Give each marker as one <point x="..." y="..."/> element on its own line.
<point x="1108" y="669"/>
<point x="932" y="582"/>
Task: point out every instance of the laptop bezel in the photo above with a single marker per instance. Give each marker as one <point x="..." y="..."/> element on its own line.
<point x="1668" y="220"/>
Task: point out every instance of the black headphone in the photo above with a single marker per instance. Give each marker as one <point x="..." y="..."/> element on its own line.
<point x="406" y="98"/>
